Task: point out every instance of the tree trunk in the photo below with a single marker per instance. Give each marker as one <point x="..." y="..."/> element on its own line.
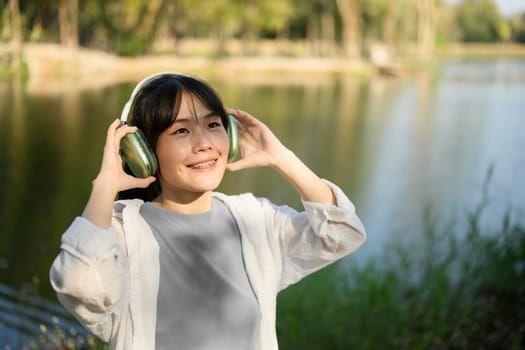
<point x="149" y="23"/>
<point x="15" y="55"/>
<point x="68" y="22"/>
<point x="389" y="23"/>
<point x="248" y="35"/>
<point x="426" y="29"/>
<point x="312" y="35"/>
<point x="165" y="37"/>
<point x="348" y="9"/>
<point x="328" y="29"/>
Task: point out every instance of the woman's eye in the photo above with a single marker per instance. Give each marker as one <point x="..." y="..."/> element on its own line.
<point x="214" y="125"/>
<point x="181" y="131"/>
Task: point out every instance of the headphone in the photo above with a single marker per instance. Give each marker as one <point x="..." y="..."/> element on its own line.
<point x="138" y="154"/>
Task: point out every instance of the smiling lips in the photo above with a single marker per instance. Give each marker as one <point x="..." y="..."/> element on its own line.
<point x="203" y="165"/>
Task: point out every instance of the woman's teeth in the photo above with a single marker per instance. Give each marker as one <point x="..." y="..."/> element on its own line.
<point x="203" y="165"/>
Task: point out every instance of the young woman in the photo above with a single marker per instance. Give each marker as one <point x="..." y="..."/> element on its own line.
<point x="182" y="266"/>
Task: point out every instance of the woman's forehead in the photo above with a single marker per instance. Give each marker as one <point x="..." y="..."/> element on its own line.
<point x="191" y="106"/>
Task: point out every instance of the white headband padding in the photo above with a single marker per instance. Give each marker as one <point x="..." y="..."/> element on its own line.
<point x="125" y="111"/>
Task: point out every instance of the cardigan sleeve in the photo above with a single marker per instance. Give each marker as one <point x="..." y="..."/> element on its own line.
<point x="89" y="276"/>
<point x="318" y="236"/>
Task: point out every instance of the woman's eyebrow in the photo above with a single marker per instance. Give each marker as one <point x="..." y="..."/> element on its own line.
<point x="184" y="119"/>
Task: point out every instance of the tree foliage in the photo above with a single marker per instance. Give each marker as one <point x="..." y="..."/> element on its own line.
<point x="480" y="21"/>
<point x="132" y="27"/>
<point x="518" y="29"/>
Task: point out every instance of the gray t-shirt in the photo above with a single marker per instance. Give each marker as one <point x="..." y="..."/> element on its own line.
<point x="205" y="300"/>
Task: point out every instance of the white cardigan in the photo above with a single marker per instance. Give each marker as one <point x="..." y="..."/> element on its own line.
<point x="109" y="278"/>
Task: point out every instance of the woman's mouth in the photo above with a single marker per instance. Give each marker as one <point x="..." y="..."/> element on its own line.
<point x="203" y="165"/>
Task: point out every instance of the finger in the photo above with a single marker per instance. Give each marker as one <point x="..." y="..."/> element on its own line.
<point x="142" y="183"/>
<point x="120" y="133"/>
<point x="124" y="130"/>
<point x="238" y="113"/>
<point x="239" y="165"/>
<point x="113" y="126"/>
<point x="233" y="167"/>
<point x="111" y="131"/>
<point x="115" y="131"/>
<point x="244" y="118"/>
<point x="231" y="111"/>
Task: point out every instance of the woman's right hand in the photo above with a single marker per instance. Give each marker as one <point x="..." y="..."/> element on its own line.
<point x="111" y="178"/>
<point x="111" y="171"/>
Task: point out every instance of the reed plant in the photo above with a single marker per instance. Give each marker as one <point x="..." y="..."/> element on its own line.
<point x="456" y="291"/>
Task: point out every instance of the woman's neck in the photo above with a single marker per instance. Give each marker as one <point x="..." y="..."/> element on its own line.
<point x="191" y="203"/>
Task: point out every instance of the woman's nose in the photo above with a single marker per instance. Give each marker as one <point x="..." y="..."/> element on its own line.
<point x="200" y="141"/>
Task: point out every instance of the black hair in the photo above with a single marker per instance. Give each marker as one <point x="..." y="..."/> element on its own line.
<point x="155" y="109"/>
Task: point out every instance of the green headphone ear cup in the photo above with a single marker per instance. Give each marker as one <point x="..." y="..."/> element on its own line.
<point x="138" y="155"/>
<point x="233" y="136"/>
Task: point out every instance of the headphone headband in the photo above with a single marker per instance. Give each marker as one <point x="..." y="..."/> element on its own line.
<point x="127" y="107"/>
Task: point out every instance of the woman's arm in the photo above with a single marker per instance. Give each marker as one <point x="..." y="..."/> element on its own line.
<point x="90" y="274"/>
<point x="319" y="236"/>
<point x="261" y="147"/>
<point x="111" y="178"/>
<point x="327" y="230"/>
<point x="303" y="179"/>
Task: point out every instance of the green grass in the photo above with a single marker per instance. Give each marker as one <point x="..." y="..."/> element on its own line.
<point x="452" y="293"/>
<point x="7" y="72"/>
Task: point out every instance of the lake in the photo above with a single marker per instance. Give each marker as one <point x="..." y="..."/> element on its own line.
<point x="444" y="144"/>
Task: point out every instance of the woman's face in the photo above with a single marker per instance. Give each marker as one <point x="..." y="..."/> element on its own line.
<point x="193" y="151"/>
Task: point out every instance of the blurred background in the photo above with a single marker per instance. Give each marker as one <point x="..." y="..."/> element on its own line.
<point x="414" y="107"/>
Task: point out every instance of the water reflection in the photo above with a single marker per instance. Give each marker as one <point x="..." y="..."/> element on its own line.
<point x="30" y="322"/>
<point x="436" y="147"/>
<point x="395" y="146"/>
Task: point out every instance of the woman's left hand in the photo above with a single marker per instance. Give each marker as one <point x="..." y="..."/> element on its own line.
<point x="258" y="144"/>
<point x="260" y="147"/>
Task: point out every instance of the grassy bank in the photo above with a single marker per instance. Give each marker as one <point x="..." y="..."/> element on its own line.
<point x="85" y="67"/>
<point x="51" y="66"/>
<point x="452" y="293"/>
<point x="480" y="50"/>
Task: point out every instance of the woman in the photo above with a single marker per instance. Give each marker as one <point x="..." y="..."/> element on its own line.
<point x="182" y="266"/>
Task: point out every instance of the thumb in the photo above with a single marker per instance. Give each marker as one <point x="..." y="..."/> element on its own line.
<point x="142" y="183"/>
<point x="237" y="165"/>
<point x="243" y="163"/>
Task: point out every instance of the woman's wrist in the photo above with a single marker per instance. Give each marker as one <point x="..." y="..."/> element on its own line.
<point x="302" y="178"/>
<point x="283" y="159"/>
<point x="99" y="207"/>
<point x="104" y="185"/>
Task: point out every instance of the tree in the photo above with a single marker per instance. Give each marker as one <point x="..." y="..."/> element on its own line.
<point x="315" y="21"/>
<point x="389" y="23"/>
<point x="15" y="24"/>
<point x="351" y="27"/>
<point x="518" y="25"/>
<point x="427" y="14"/>
<point x="263" y="19"/>
<point x="68" y="22"/>
<point x="479" y="20"/>
<point x="130" y="25"/>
